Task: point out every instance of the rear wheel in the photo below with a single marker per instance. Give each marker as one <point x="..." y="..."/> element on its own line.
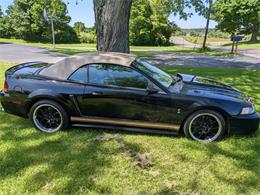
<point x="205" y="126"/>
<point x="48" y="116"/>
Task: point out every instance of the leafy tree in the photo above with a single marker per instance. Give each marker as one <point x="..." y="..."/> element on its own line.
<point x="238" y="16"/>
<point x="27" y="21"/>
<point x="79" y="27"/>
<point x="149" y="23"/>
<point x="1" y="22"/>
<point x="1" y="12"/>
<point x="5" y="27"/>
<point x="202" y="7"/>
<point x="89" y="36"/>
<point x="195" y="34"/>
<point x="112" y="21"/>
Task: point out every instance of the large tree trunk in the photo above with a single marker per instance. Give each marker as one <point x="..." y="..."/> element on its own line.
<point x="112" y="25"/>
<point x="255" y="31"/>
<point x="254" y="36"/>
<point x="207" y="25"/>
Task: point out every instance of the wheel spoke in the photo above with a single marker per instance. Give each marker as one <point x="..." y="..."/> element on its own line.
<point x="204" y="127"/>
<point x="47" y="118"/>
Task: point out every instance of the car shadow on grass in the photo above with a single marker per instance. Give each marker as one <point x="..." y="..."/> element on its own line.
<point x="65" y="162"/>
<point x="68" y="158"/>
<point x="72" y="161"/>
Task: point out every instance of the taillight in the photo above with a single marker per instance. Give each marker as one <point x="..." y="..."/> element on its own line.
<point x="5" y="87"/>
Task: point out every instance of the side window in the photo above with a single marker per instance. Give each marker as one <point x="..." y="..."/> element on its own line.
<point x="79" y="75"/>
<point x="117" y="76"/>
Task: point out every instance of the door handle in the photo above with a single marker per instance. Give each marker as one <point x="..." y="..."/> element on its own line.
<point x="96" y="93"/>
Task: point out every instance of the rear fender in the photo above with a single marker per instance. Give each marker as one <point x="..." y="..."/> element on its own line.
<point x="43" y="94"/>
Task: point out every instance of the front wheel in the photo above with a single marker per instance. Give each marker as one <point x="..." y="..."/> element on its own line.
<point x="204" y="126"/>
<point x="48" y="116"/>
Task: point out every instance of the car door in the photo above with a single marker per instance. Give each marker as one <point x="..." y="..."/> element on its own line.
<point x="119" y="92"/>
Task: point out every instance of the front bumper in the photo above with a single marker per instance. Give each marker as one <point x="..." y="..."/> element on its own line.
<point x="244" y="124"/>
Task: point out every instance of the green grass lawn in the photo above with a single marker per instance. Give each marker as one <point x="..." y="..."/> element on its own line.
<point x="141" y="51"/>
<point x="247" y="44"/>
<point x="94" y="161"/>
<point x="199" y="40"/>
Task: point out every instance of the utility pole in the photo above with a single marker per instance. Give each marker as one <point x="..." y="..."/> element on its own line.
<point x="53" y="33"/>
<point x="45" y="14"/>
<point x="207" y="24"/>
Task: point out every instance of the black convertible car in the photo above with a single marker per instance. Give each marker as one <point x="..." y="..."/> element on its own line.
<point x="113" y="90"/>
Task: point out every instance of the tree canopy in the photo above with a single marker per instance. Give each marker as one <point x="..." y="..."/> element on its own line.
<point x="149" y="23"/>
<point x="25" y="20"/>
<point x="79" y="27"/>
<point x="1" y="12"/>
<point x="238" y="16"/>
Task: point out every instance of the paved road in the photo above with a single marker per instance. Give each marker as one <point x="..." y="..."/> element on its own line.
<point x="254" y="53"/>
<point x="177" y="59"/>
<point x="22" y="53"/>
<point x="182" y="42"/>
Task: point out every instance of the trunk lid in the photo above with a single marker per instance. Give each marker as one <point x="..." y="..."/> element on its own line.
<point x="25" y="68"/>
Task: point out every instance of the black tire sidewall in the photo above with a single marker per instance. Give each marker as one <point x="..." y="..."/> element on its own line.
<point x="216" y="114"/>
<point x="64" y="114"/>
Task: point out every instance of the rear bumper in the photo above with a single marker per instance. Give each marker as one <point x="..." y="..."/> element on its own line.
<point x="12" y="105"/>
<point x="244" y="125"/>
<point x="1" y="97"/>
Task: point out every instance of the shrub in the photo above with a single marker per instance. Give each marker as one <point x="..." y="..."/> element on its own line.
<point x="87" y="37"/>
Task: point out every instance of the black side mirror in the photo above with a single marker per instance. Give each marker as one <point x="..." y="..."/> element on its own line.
<point x="151" y="89"/>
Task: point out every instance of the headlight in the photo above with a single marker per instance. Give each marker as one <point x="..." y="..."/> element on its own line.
<point x="247" y="110"/>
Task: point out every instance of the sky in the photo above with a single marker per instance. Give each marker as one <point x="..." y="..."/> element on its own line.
<point x="83" y="12"/>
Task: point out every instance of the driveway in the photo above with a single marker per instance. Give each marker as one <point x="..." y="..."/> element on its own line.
<point x="24" y="53"/>
<point x="253" y="53"/>
<point x="200" y="60"/>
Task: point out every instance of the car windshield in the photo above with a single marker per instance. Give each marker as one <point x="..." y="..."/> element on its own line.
<point x="157" y="74"/>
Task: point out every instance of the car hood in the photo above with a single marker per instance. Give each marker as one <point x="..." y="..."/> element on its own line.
<point x="200" y="86"/>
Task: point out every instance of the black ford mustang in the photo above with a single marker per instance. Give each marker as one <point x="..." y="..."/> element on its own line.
<point x="113" y="90"/>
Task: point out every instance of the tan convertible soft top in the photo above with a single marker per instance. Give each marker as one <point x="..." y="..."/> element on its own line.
<point x="64" y="68"/>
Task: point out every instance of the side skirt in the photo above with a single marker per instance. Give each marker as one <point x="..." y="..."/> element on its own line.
<point x="153" y="131"/>
<point x="122" y="123"/>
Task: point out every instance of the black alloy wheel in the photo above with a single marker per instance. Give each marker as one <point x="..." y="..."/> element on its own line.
<point x="205" y="126"/>
<point x="48" y="116"/>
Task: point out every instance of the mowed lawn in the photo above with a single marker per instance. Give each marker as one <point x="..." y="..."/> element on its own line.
<point x="93" y="161"/>
<point x="141" y="51"/>
<point x="247" y="44"/>
<point x="200" y="40"/>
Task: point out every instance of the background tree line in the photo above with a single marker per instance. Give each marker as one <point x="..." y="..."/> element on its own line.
<point x="24" y="19"/>
<point x="149" y="24"/>
<point x="238" y="17"/>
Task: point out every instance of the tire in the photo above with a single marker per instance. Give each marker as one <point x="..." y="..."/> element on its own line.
<point x="48" y="116"/>
<point x="204" y="126"/>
